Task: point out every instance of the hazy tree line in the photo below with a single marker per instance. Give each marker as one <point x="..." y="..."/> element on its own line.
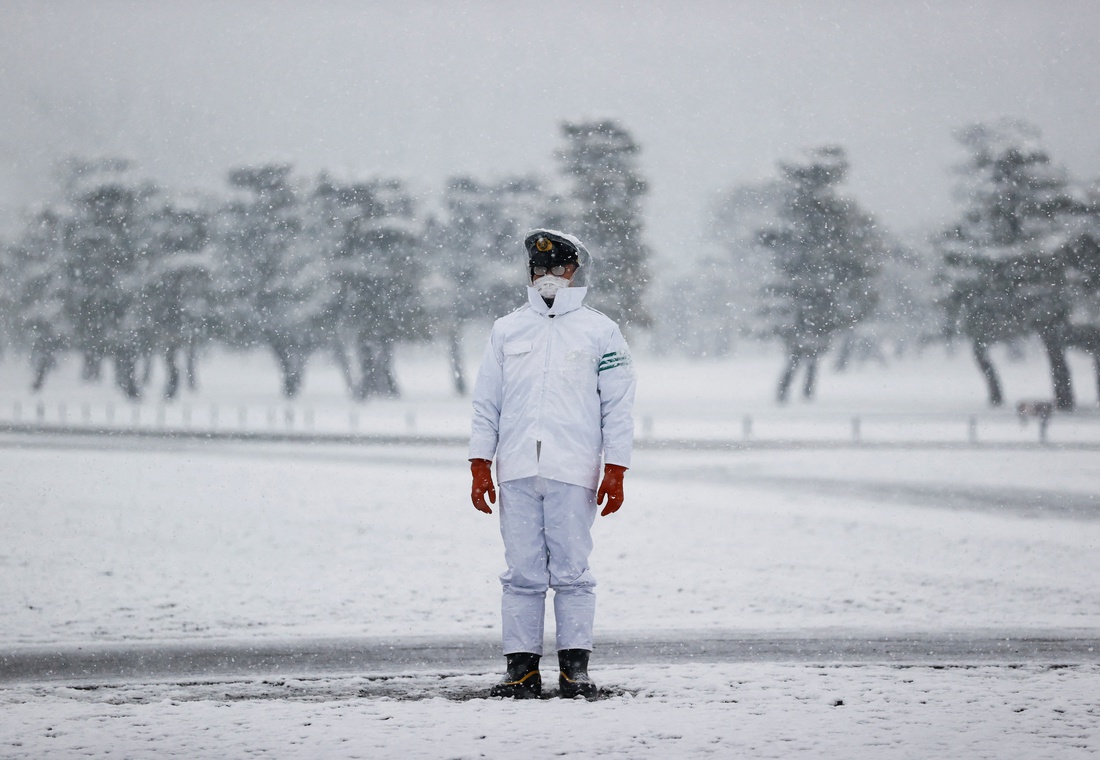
<point x="1024" y="256"/>
<point x="811" y="268"/>
<point x="124" y="273"/>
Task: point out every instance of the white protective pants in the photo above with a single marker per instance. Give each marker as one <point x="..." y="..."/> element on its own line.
<point x="547" y="531"/>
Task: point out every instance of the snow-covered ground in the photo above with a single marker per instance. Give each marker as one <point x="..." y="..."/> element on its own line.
<point x="105" y="541"/>
<point x="724" y="711"/>
<point x="183" y="540"/>
<point x="938" y="396"/>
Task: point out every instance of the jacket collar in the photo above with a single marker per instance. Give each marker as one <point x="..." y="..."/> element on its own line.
<point x="567" y="300"/>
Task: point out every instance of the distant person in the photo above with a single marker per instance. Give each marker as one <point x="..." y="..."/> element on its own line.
<point x="554" y="395"/>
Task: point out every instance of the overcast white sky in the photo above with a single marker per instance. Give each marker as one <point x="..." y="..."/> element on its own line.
<point x="715" y="92"/>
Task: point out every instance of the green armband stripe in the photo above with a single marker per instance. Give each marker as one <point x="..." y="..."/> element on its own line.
<point x="613" y="360"/>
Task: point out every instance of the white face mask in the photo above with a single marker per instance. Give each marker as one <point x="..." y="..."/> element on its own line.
<point x="549" y="285"/>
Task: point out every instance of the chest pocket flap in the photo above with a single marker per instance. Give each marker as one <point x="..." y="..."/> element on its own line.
<point x="517" y="347"/>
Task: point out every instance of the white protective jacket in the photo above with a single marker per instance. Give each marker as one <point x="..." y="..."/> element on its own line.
<point x="554" y="392"/>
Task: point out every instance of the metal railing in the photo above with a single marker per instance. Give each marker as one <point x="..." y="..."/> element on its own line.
<point x="399" y="422"/>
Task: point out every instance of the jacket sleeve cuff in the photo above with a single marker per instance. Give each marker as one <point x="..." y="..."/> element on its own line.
<point x="482" y="450"/>
<point x="619" y="456"/>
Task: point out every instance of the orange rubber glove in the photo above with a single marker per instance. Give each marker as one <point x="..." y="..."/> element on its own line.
<point x="482" y="470"/>
<point x="611" y="488"/>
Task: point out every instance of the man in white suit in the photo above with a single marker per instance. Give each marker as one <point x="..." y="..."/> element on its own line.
<point x="552" y="401"/>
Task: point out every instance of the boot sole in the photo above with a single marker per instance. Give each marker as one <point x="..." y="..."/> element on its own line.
<point x="572" y="690"/>
<point x="528" y="687"/>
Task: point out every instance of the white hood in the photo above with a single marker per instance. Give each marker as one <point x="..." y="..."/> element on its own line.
<point x="585" y="260"/>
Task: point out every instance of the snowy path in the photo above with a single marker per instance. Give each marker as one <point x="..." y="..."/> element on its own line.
<point x="160" y="661"/>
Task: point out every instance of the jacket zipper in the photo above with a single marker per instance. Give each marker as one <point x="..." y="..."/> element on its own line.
<point x="542" y="387"/>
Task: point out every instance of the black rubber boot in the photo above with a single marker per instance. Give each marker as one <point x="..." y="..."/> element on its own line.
<point x="522" y="681"/>
<point x="573" y="679"/>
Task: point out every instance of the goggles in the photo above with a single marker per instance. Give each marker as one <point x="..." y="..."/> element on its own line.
<point x="557" y="270"/>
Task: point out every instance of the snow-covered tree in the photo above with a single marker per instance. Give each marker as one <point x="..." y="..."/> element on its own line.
<point x="36" y="292"/>
<point x="732" y="288"/>
<point x="1008" y="256"/>
<point x="109" y="269"/>
<point x="477" y="255"/>
<point x="272" y="289"/>
<point x="176" y="281"/>
<point x="105" y="234"/>
<point x="1077" y="249"/>
<point x="376" y="271"/>
<point x="600" y="162"/>
<point x="825" y="255"/>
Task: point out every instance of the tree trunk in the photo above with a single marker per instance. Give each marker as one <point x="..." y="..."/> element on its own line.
<point x="376" y="376"/>
<point x="291" y="364"/>
<point x="454" y="340"/>
<point x="126" y="373"/>
<point x="1086" y="338"/>
<point x="844" y="355"/>
<point x="91" y="370"/>
<point x="985" y="364"/>
<point x="341" y="355"/>
<point x="192" y="367"/>
<point x="146" y="369"/>
<point x="387" y="381"/>
<point x="364" y="388"/>
<point x="1059" y="371"/>
<point x="1096" y="368"/>
<point x="42" y="363"/>
<point x="787" y="377"/>
<point x="172" y="384"/>
<point x="811" y="377"/>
